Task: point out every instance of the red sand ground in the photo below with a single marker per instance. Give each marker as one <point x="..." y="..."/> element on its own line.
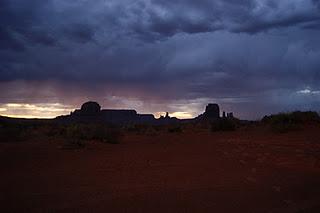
<point x="242" y="171"/>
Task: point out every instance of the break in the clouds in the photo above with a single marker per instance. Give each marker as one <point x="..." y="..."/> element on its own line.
<point x="252" y="56"/>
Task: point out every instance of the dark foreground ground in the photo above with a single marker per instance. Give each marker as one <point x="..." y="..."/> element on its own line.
<point x="243" y="171"/>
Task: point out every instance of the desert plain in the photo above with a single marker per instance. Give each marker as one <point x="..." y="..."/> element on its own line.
<point x="251" y="169"/>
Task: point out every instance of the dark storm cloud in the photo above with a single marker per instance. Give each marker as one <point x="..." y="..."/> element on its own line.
<point x="228" y="51"/>
<point x="46" y="22"/>
<point x="286" y="22"/>
<point x="317" y="3"/>
<point x="79" y="32"/>
<point x="236" y="16"/>
<point x="9" y="41"/>
<point x="21" y="24"/>
<point x="312" y="26"/>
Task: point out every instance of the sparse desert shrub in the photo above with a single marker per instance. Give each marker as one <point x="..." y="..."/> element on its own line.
<point x="12" y="133"/>
<point x="285" y="122"/>
<point x="130" y="128"/>
<point x="293" y="117"/>
<point x="54" y="131"/>
<point x="157" y="128"/>
<point x="139" y="128"/>
<point x="175" y="129"/>
<point x="113" y="136"/>
<point x="135" y="128"/>
<point x="284" y="127"/>
<point x="223" y="124"/>
<point x="86" y="132"/>
<point x="75" y="135"/>
<point x="302" y="117"/>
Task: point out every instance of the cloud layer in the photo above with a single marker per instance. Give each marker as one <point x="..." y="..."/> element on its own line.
<point x="160" y="55"/>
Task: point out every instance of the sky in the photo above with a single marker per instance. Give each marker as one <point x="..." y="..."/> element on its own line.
<point x="252" y="57"/>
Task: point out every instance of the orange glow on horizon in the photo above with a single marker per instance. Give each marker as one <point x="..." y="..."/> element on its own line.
<point x="180" y="115"/>
<point x="24" y="110"/>
<point x="52" y="110"/>
<point x="28" y="116"/>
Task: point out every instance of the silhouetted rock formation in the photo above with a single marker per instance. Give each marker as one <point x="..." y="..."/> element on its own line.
<point x="230" y="115"/>
<point x="92" y="112"/>
<point x="119" y="116"/>
<point x="146" y="118"/>
<point x="90" y="108"/>
<point x="167" y="119"/>
<point x="211" y="113"/>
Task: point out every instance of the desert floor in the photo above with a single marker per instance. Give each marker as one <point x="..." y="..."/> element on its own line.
<point x="249" y="170"/>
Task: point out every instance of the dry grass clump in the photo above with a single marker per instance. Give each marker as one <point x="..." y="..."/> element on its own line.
<point x="224" y="124"/>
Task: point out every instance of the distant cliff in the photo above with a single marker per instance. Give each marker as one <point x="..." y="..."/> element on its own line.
<point x="92" y="112"/>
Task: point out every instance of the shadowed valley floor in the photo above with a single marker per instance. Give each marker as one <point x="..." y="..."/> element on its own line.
<point x="242" y="171"/>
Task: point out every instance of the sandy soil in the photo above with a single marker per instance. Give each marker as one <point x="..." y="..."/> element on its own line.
<point x="244" y="171"/>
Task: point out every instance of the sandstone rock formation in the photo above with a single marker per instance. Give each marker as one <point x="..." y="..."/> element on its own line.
<point x="90" y="108"/>
<point x="212" y="111"/>
<point x="92" y="112"/>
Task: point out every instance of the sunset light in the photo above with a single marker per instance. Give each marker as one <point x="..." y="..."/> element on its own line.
<point x="160" y="106"/>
